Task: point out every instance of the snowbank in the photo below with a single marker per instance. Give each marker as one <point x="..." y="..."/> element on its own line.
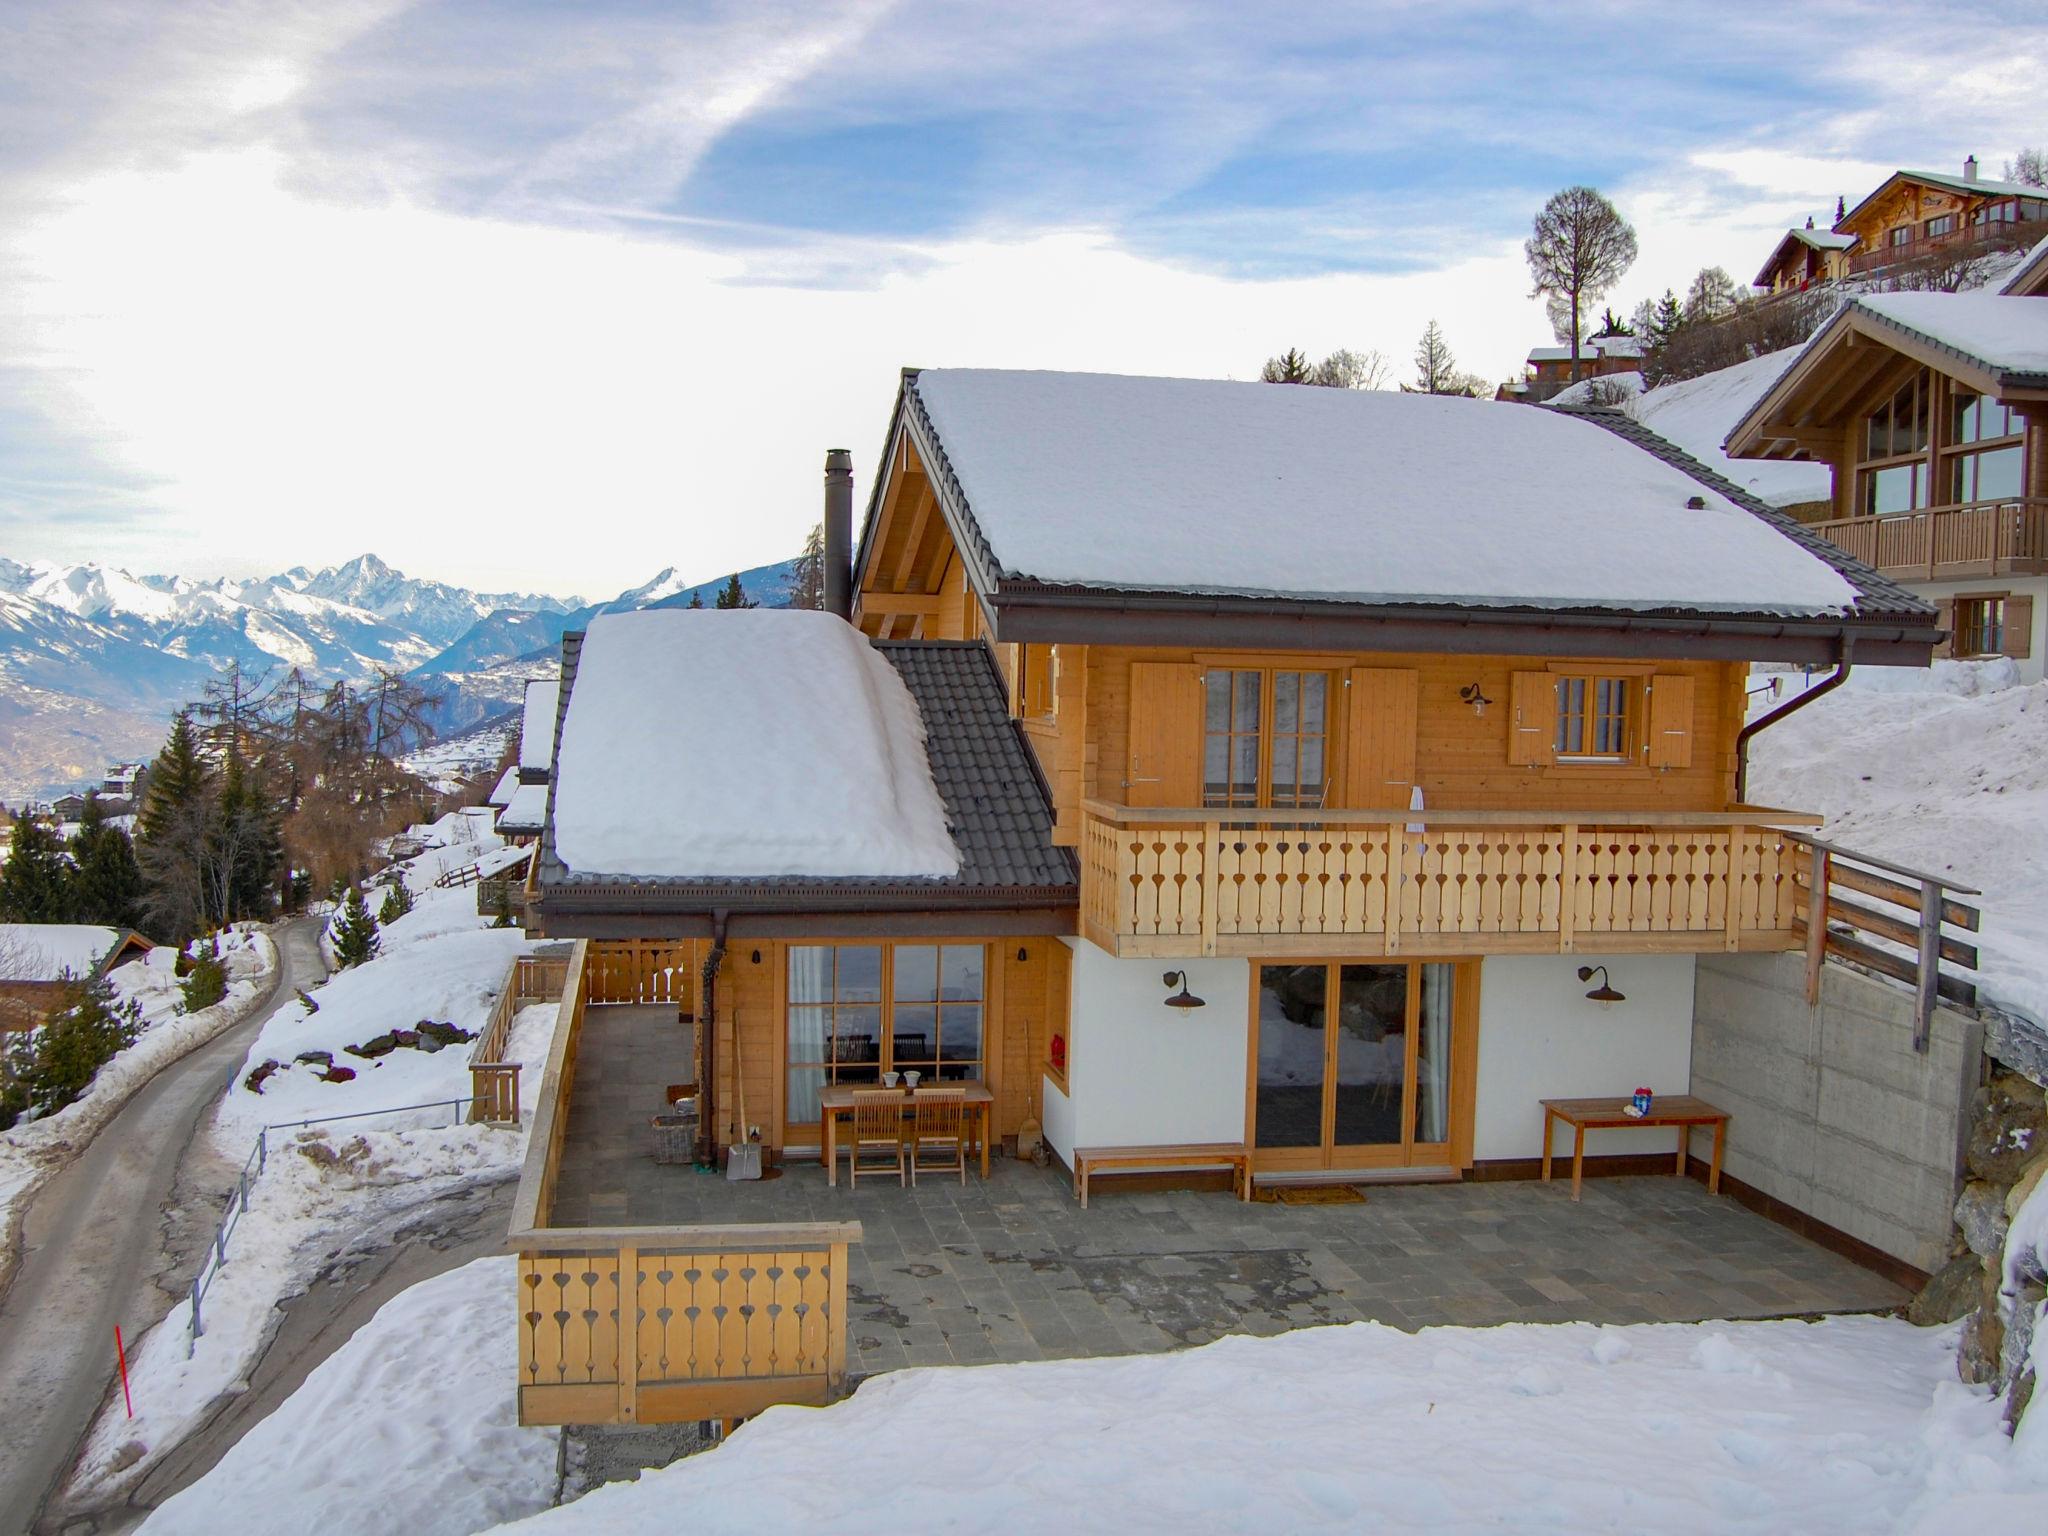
<point x="1946" y="771"/>
<point x="436" y="1429"/>
<point x="752" y="743"/>
<point x="1202" y="485"/>
<point x="1849" y="1425"/>
<point x="1698" y="414"/>
<point x="30" y="1153"/>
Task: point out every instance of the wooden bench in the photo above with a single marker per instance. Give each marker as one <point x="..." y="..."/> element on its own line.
<point x="1681" y="1110"/>
<point x="1210" y="1154"/>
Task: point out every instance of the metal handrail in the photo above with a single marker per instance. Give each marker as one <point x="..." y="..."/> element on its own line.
<point x="238" y="1202"/>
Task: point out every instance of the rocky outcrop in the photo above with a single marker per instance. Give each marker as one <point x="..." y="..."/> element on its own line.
<point x="1996" y="1294"/>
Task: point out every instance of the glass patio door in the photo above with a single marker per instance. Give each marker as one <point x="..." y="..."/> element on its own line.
<point x="1353" y="1066"/>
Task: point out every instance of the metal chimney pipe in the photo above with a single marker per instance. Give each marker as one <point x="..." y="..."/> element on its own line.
<point x="839" y="532"/>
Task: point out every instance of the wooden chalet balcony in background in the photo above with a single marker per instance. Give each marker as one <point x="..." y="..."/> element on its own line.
<point x="2008" y="537"/>
<point x="1179" y="883"/>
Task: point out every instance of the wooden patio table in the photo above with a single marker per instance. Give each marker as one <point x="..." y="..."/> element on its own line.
<point x="1679" y="1109"/>
<point x="837" y="1099"/>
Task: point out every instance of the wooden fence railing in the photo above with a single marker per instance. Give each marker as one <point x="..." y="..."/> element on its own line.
<point x="1978" y="538"/>
<point x="494" y="1081"/>
<point x="1200" y="882"/>
<point x="1912" y="912"/>
<point x="652" y="1325"/>
<point x="643" y="971"/>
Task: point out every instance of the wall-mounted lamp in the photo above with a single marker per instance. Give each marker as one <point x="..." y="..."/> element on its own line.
<point x="1023" y="954"/>
<point x="757" y="957"/>
<point x="1604" y="993"/>
<point x="1471" y="695"/>
<point x="1183" y="998"/>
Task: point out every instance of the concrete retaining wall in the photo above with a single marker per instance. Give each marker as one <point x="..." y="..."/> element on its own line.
<point x="1832" y="1110"/>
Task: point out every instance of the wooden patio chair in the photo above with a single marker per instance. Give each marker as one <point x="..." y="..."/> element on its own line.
<point x="939" y="1121"/>
<point x="877" y="1132"/>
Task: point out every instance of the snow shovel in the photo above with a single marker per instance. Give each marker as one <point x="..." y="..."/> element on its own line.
<point x="743" y="1157"/>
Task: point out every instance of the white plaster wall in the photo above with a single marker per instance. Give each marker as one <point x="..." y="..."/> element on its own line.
<point x="1140" y="1073"/>
<point x="1057" y="1111"/>
<point x="1540" y="1038"/>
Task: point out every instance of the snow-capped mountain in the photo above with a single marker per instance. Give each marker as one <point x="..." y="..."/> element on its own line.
<point x="95" y="659"/>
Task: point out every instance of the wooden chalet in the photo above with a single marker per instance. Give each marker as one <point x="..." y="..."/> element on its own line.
<point x="1917" y="214"/>
<point x="524" y="807"/>
<point x="41" y="964"/>
<point x="1804" y="258"/>
<point x="1549" y="369"/>
<point x="1931" y="409"/>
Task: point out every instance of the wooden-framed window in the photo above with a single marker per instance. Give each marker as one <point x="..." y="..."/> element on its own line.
<point x="1036" y="698"/>
<point x="1979" y="625"/>
<point x="856" y="1011"/>
<point x="1593" y="714"/>
<point x="1939" y="226"/>
<point x="1265" y="737"/>
<point x="1893" y="473"/>
<point x="1986" y="458"/>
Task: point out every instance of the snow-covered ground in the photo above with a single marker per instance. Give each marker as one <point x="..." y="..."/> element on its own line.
<point x="333" y="1187"/>
<point x="1852" y="1425"/>
<point x="450" y="764"/>
<point x="1943" y="770"/>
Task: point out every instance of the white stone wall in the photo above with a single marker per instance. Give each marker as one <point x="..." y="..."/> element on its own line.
<point x="1541" y="1038"/>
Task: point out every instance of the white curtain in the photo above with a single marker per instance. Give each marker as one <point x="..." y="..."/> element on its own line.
<point x="810" y="986"/>
<point x="1433" y="1055"/>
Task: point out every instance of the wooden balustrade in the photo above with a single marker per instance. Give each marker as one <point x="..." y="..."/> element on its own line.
<point x="643" y="971"/>
<point x="494" y="1081"/>
<point x="1989" y="538"/>
<point x="724" y="1321"/>
<point x="1198" y="882"/>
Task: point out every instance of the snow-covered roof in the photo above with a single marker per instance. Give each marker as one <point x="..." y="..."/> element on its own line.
<point x="2030" y="277"/>
<point x="1590" y="346"/>
<point x="2003" y="333"/>
<point x="507" y="782"/>
<point x="526" y="810"/>
<point x="1818" y="239"/>
<point x="537" y="724"/>
<point x="1698" y="414"/>
<point x="758" y="743"/>
<point x="1209" y="487"/>
<point x="46" y="951"/>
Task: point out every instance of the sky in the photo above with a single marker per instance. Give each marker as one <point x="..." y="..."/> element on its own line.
<point x="546" y="297"/>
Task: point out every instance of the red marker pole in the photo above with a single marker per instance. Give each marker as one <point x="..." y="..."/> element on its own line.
<point x="122" y="1355"/>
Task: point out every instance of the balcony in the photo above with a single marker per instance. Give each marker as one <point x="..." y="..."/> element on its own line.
<point x="1183" y="883"/>
<point x="1957" y="245"/>
<point x="1985" y="538"/>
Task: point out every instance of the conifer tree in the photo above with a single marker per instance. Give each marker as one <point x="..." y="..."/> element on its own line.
<point x="807" y="580"/>
<point x="53" y="1066"/>
<point x="175" y="824"/>
<point x="355" y="932"/>
<point x="397" y="902"/>
<point x="1290" y="367"/>
<point x="696" y="600"/>
<point x="733" y="595"/>
<point x="106" y="881"/>
<point x="35" y="885"/>
<point x="206" y="979"/>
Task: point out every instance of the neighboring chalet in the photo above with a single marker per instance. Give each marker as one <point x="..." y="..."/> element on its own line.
<point x="1804" y="258"/>
<point x="525" y="807"/>
<point x="1932" y="411"/>
<point x="1206" y="764"/>
<point x="41" y="962"/>
<point x="1549" y="369"/>
<point x="501" y="793"/>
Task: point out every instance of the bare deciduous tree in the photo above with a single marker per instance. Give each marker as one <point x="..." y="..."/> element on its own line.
<point x="1578" y="250"/>
<point x="2029" y="166"/>
<point x="1344" y="369"/>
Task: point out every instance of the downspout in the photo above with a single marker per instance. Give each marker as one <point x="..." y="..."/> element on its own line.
<point x="1742" y="737"/>
<point x="707" y="1046"/>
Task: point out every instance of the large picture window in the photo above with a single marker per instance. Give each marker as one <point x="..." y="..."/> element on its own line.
<point x="859" y="1010"/>
<point x="1987" y="458"/>
<point x="1266" y="737"/>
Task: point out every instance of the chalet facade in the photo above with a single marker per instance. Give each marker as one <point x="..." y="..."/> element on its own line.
<point x="1549" y="369"/>
<point x="1806" y="258"/>
<point x="1296" y="755"/>
<point x="524" y="807"/>
<point x="1932" y="411"/>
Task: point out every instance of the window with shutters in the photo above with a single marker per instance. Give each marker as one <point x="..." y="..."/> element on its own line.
<point x="1035" y="697"/>
<point x="1979" y="626"/>
<point x="1265" y="737"/>
<point x="1593" y="718"/>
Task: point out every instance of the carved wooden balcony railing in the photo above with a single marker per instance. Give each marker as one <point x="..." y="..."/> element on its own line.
<point x="1384" y="882"/>
<point x="1983" y="538"/>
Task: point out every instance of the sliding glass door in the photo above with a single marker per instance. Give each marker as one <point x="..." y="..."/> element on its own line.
<point x="1352" y="1065"/>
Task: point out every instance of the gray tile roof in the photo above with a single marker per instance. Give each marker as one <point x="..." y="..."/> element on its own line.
<point x="998" y="807"/>
<point x="1877" y="596"/>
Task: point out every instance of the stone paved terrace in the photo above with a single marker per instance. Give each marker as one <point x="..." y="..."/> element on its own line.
<point x="1013" y="1269"/>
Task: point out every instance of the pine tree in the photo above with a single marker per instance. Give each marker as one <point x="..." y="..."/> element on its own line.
<point x="696" y="600"/>
<point x="355" y="932"/>
<point x="52" y="1067"/>
<point x="206" y="979"/>
<point x="397" y="902"/>
<point x="106" y="882"/>
<point x="733" y="595"/>
<point x="35" y="885"/>
<point x="1290" y="367"/>
<point x="1436" y="370"/>
<point x="174" y="826"/>
<point x="807" y="581"/>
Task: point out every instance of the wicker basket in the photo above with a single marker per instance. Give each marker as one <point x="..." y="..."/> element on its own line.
<point x="675" y="1137"/>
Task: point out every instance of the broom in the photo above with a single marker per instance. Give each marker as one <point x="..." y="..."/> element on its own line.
<point x="743" y="1157"/>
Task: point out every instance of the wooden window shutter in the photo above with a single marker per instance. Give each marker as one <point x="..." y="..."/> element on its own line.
<point x="1165" y="759"/>
<point x="1532" y="719"/>
<point x="1379" y="748"/>
<point x="1945" y="617"/>
<point x="1667" y="731"/>
<point x="2019" y="626"/>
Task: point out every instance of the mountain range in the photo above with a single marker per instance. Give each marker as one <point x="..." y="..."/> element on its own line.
<point x="94" y="659"/>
